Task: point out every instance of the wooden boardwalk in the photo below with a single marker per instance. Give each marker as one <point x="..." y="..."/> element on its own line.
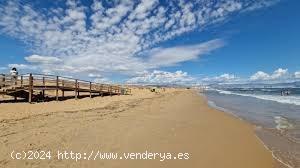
<point x="33" y="86"/>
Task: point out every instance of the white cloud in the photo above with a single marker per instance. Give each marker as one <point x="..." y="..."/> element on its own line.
<point x="260" y="75"/>
<point x="3" y="69"/>
<point x="162" y="77"/>
<point x="220" y="79"/>
<point x="277" y="74"/>
<point x="103" y="80"/>
<point x="95" y="75"/>
<point x="297" y="74"/>
<point x="171" y="56"/>
<point x="42" y="59"/>
<point x="226" y="77"/>
<point x="259" y="4"/>
<point x="99" y="39"/>
<point x="21" y="66"/>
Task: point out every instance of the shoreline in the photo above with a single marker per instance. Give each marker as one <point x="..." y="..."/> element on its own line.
<point x="172" y="121"/>
<point x="281" y="163"/>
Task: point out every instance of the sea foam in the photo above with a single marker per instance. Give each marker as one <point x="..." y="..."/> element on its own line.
<point x="277" y="98"/>
<point x="282" y="123"/>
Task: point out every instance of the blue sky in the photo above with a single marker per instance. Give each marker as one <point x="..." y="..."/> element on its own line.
<point x="153" y="41"/>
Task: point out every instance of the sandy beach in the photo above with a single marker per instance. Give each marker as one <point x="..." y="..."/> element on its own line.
<point x="174" y="121"/>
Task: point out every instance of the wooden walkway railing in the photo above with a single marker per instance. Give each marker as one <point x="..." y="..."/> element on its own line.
<point x="10" y="85"/>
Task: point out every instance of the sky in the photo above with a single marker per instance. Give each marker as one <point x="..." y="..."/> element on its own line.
<point x="152" y="41"/>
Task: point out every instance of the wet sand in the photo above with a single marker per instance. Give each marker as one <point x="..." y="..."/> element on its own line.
<point x="170" y="122"/>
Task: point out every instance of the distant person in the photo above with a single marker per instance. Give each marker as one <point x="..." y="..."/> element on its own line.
<point x="14" y="75"/>
<point x="14" y="72"/>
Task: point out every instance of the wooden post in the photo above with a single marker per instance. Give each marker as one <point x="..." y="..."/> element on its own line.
<point x="101" y="92"/>
<point x="110" y="89"/>
<point x="76" y="88"/>
<point x="16" y="81"/>
<point x="57" y="85"/>
<point x="90" y="89"/>
<point x="63" y="88"/>
<point x="15" y="85"/>
<point x="3" y="80"/>
<point x="21" y="81"/>
<point x="44" y="86"/>
<point x="30" y="88"/>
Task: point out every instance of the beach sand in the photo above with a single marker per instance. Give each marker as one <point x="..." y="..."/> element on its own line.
<point x="174" y="121"/>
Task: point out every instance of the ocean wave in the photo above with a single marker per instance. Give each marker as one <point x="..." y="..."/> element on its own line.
<point x="213" y="105"/>
<point x="282" y="123"/>
<point x="280" y="99"/>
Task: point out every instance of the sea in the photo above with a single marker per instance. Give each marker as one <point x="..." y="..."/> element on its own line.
<point x="275" y="113"/>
